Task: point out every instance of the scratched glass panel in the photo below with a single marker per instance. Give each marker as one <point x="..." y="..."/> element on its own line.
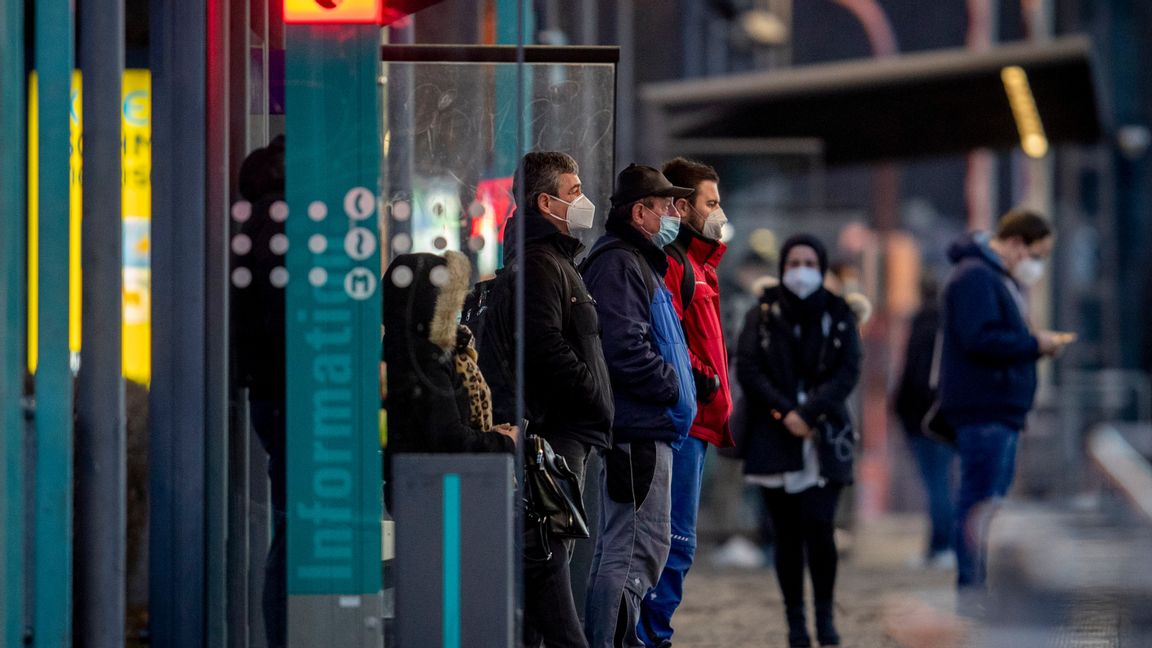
<point x="451" y="148"/>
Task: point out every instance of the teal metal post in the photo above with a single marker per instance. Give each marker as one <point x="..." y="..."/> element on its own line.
<point x="52" y="612"/>
<point x="333" y="335"/>
<point x="514" y="19"/>
<point x="13" y="275"/>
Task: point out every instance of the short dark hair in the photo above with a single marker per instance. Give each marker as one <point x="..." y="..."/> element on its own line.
<point x="539" y="172"/>
<point x="1025" y="223"/>
<point x="683" y="172"/>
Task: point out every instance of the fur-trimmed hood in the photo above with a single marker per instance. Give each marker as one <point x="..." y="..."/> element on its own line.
<point x="423" y="294"/>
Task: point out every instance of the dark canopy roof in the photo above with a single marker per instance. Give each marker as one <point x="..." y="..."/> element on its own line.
<point x="905" y="106"/>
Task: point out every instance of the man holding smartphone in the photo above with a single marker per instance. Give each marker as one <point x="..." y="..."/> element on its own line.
<point x="988" y="373"/>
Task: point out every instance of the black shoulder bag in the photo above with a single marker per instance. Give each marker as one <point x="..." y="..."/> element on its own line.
<point x="552" y="499"/>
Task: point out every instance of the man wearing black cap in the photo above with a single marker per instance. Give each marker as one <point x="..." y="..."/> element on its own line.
<point x="654" y="395"/>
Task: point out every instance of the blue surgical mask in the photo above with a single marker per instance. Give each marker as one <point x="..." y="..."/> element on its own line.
<point x="669" y="228"/>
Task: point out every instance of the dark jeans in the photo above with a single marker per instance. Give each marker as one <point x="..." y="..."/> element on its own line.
<point x="804" y="526"/>
<point x="269" y="423"/>
<point x="549" y="609"/>
<point x="987" y="465"/>
<point x="934" y="459"/>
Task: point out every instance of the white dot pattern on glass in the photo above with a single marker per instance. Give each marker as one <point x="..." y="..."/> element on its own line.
<point x="278" y="244"/>
<point x="401" y="210"/>
<point x="241" y="211"/>
<point x="317" y="210"/>
<point x="241" y="244"/>
<point x="439" y="276"/>
<point x="278" y="277"/>
<point x="401" y="243"/>
<point x="317" y="277"/>
<point x="317" y="243"/>
<point x="440" y="243"/>
<point x="402" y="276"/>
<point x="241" y="277"/>
<point x="278" y="211"/>
<point x="476" y="243"/>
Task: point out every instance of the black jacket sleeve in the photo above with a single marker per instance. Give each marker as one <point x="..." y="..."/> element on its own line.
<point x="447" y="430"/>
<point x="829" y="396"/>
<point x="546" y="351"/>
<point x="755" y="383"/>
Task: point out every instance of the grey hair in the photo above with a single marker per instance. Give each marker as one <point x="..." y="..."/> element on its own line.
<point x="539" y="172"/>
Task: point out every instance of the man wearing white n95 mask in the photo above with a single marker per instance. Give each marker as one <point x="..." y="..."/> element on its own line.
<point x="567" y="391"/>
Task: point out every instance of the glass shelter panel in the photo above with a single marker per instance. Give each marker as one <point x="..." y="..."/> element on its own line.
<point x="450" y="148"/>
<point x="412" y="161"/>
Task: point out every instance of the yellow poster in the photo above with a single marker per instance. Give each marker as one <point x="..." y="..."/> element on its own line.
<point x="136" y="186"/>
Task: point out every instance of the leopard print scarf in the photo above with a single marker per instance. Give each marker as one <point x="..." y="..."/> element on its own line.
<point x="479" y="395"/>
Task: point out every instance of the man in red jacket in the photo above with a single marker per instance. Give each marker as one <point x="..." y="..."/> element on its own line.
<point x="691" y="278"/>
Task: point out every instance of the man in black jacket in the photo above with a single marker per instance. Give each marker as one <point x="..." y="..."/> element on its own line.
<point x="568" y="398"/>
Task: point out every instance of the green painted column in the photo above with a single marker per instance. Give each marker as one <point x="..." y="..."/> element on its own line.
<point x="52" y="607"/>
<point x="13" y="275"/>
<point x="333" y="335"/>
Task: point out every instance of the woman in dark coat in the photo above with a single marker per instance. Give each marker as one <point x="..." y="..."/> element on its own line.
<point x="798" y="360"/>
<point x="437" y="399"/>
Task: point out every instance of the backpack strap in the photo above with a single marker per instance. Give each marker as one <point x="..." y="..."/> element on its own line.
<point x="687" y="277"/>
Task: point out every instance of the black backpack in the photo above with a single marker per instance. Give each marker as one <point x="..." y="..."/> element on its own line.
<point x="476" y="305"/>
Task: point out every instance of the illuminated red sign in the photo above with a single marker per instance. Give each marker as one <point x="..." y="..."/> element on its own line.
<point x="333" y="11"/>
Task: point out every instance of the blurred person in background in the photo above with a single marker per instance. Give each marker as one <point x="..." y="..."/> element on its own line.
<point x="988" y="374"/>
<point x="695" y="288"/>
<point x="798" y="361"/>
<point x="655" y="401"/>
<point x="258" y="331"/>
<point x="914" y="398"/>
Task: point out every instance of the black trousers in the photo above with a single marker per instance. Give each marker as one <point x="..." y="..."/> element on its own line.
<point x="550" y="617"/>
<point x="804" y="525"/>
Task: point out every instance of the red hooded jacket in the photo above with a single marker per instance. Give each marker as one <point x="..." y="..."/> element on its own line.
<point x="701" y="320"/>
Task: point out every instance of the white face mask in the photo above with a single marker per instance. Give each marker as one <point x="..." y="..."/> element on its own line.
<point x="802" y="281"/>
<point x="581" y="213"/>
<point x="714" y="224"/>
<point x="1029" y="271"/>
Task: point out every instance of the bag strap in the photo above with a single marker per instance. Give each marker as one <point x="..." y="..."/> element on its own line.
<point x="688" y="277"/>
<point x="937" y="351"/>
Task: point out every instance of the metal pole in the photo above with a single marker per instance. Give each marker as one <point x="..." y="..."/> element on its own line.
<point x="220" y="94"/>
<point x="100" y="437"/>
<point x="178" y="399"/>
<point x="13" y="206"/>
<point x="53" y="523"/>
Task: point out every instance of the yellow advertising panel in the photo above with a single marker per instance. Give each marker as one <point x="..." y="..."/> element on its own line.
<point x="333" y="11"/>
<point x="136" y="187"/>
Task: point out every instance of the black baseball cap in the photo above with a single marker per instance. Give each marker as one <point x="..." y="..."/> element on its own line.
<point x="638" y="181"/>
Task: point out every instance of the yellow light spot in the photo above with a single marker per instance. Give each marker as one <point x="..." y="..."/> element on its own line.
<point x="1024" y="111"/>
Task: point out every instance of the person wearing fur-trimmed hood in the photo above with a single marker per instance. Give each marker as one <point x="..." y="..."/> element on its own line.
<point x="432" y="389"/>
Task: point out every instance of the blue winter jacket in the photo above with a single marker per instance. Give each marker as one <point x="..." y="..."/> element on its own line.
<point x="644" y="345"/>
<point x="988" y="357"/>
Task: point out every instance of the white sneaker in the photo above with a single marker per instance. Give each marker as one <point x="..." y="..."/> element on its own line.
<point x="738" y="552"/>
<point x="941" y="561"/>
